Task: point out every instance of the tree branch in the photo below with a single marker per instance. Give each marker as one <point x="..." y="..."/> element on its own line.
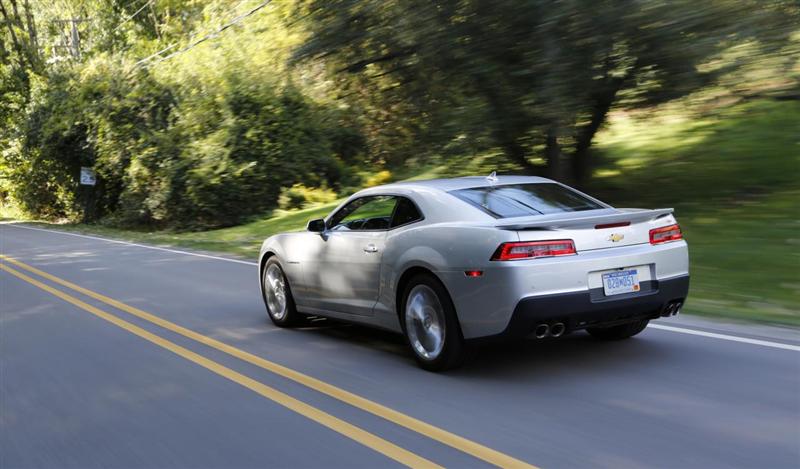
<point x="13" y="34"/>
<point x="603" y="101"/>
<point x="362" y="64"/>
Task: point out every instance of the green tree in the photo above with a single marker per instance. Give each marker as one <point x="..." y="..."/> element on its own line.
<point x="537" y="78"/>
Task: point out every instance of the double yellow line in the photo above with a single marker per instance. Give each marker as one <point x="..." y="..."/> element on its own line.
<point x="370" y="440"/>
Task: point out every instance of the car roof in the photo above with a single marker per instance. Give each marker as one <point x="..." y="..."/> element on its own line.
<point x="429" y="186"/>
<point x="463" y="182"/>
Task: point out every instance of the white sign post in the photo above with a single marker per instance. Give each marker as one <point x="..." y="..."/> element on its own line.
<point x="88" y="177"/>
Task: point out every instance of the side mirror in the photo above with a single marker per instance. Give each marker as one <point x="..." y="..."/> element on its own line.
<point x="316" y="225"/>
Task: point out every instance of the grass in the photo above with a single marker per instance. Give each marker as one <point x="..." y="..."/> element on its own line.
<point x="242" y="241"/>
<point x="746" y="259"/>
<point x="733" y="175"/>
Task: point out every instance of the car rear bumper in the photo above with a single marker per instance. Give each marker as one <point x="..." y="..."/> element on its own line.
<point x="591" y="308"/>
<point x="487" y="304"/>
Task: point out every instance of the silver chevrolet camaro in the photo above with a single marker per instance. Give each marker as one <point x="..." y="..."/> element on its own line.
<point x="447" y="262"/>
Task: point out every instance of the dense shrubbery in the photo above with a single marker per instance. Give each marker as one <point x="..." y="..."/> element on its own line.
<point x="194" y="154"/>
<point x="300" y="196"/>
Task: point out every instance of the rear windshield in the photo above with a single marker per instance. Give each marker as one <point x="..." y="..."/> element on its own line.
<point x="519" y="200"/>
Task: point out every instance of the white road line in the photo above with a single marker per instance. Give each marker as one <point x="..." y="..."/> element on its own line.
<point x="680" y="330"/>
<point x="174" y="251"/>
<point x="732" y="338"/>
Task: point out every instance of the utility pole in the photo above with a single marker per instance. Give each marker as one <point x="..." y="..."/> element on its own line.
<point x="72" y="41"/>
<point x="76" y="40"/>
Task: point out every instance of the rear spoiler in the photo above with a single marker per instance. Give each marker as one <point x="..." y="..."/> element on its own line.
<point x="574" y="220"/>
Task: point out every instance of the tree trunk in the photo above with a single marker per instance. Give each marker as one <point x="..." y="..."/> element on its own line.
<point x="10" y="26"/>
<point x="516" y="153"/>
<point x="26" y="51"/>
<point x="31" y="28"/>
<point x="552" y="154"/>
<point x="506" y="131"/>
<point x="581" y="164"/>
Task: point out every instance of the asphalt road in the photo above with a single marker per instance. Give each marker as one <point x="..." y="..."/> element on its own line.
<point x="86" y="382"/>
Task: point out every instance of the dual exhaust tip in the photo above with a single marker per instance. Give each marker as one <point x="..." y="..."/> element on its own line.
<point x="546" y="330"/>
<point x="672" y="309"/>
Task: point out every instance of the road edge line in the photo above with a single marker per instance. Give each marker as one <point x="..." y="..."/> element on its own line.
<point x="731" y="338"/>
<point x="129" y="243"/>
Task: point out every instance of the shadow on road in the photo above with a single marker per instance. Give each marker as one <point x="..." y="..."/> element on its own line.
<point x="512" y="358"/>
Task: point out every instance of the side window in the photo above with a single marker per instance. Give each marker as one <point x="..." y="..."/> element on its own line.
<point x="405" y="212"/>
<point x="365" y="213"/>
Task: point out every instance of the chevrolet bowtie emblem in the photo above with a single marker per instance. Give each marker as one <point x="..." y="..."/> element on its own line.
<point x="616" y="237"/>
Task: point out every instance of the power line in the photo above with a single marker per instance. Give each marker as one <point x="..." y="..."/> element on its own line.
<point x="174" y="44"/>
<point x="208" y="36"/>
<point x="149" y="2"/>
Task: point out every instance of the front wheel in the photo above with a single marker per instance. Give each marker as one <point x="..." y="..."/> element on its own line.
<point x="430" y="324"/>
<point x="622" y="331"/>
<point x="278" y="296"/>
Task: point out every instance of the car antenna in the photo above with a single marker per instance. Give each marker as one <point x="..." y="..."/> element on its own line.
<point x="492" y="178"/>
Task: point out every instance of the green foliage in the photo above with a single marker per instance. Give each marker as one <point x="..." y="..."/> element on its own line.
<point x="207" y="139"/>
<point x="300" y="196"/>
<point x="247" y="142"/>
<point x="44" y="169"/>
<point x="99" y="116"/>
<point x="733" y="176"/>
<point x="381" y="177"/>
<point x="195" y="154"/>
<point x="535" y="79"/>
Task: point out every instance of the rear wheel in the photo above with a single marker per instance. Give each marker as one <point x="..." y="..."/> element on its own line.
<point x="430" y="324"/>
<point x="622" y="331"/>
<point x="278" y="296"/>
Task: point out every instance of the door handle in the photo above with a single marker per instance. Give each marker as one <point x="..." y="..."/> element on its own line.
<point x="370" y="248"/>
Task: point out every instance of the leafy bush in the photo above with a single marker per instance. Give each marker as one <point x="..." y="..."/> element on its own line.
<point x="45" y="163"/>
<point x="101" y="116"/>
<point x="381" y="177"/>
<point x="300" y="196"/>
<point x="198" y="153"/>
<point x="265" y="139"/>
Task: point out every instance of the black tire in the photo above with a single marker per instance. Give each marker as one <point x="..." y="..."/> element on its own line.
<point x="453" y="351"/>
<point x="622" y="331"/>
<point x="290" y="316"/>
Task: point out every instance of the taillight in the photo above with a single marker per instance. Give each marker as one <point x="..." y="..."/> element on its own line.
<point x="530" y="249"/>
<point x="665" y="234"/>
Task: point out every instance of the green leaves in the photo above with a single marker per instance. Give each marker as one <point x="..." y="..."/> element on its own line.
<point x="536" y="79"/>
<point x="310" y="92"/>
<point x="198" y="154"/>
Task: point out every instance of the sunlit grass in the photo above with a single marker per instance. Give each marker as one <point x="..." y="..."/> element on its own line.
<point x="10" y="212"/>
<point x="243" y="240"/>
<point x="733" y="176"/>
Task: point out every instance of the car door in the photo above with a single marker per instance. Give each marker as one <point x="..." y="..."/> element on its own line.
<point x="346" y="273"/>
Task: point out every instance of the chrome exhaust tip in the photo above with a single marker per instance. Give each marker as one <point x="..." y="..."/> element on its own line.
<point x="541" y="331"/>
<point x="558" y="329"/>
<point x="670" y="310"/>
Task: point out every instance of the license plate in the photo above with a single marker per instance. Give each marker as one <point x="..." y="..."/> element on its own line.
<point x="624" y="281"/>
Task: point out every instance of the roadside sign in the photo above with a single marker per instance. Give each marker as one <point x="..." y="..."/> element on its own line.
<point x="88" y="177"/>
